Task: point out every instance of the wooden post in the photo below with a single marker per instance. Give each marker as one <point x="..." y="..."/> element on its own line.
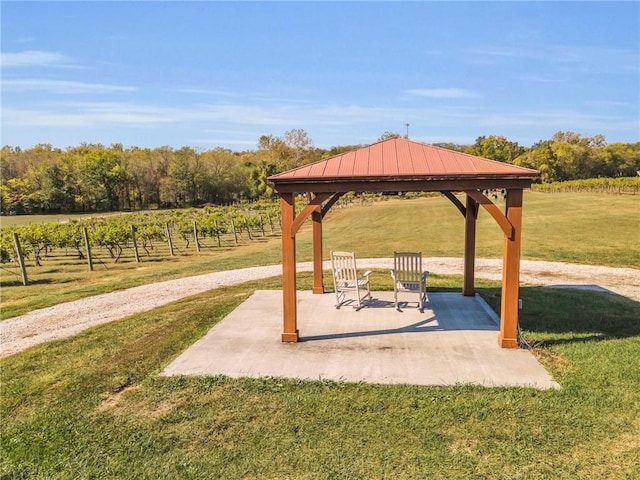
<point x="215" y="224"/>
<point x="87" y="247"/>
<point x="23" y="268"/>
<point x="233" y="227"/>
<point x="135" y="243"/>
<point x="270" y="222"/>
<point x="246" y="224"/>
<point x="471" y="214"/>
<point x="508" y="337"/>
<point x="289" y="311"/>
<point x="195" y="235"/>
<point x="167" y="231"/>
<point x="316" y="221"/>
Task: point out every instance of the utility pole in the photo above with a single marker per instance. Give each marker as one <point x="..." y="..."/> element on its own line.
<point x="407" y="135"/>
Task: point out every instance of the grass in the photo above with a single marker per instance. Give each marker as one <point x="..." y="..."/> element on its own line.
<point x="572" y="227"/>
<point x="94" y="406"/>
<point x="569" y="227"/>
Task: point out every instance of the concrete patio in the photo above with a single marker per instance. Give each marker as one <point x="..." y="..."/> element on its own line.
<point x="453" y="341"/>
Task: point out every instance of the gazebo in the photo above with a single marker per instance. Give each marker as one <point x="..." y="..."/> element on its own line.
<point x="402" y="165"/>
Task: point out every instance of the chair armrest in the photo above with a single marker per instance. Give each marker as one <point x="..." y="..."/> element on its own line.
<point x="425" y="274"/>
<point x="367" y="273"/>
<point x="393" y="274"/>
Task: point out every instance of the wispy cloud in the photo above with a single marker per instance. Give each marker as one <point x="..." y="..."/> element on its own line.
<point x="203" y="91"/>
<point x="589" y="59"/>
<point x="34" y="58"/>
<point x="87" y="115"/>
<point x="281" y="115"/>
<point x="63" y="86"/>
<point x="557" y="119"/>
<point x="224" y="141"/>
<point x="222" y="121"/>
<point x="442" y="92"/>
<point x="542" y="78"/>
<point x="611" y="104"/>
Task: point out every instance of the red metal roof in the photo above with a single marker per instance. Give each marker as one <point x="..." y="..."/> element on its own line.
<point x="403" y="158"/>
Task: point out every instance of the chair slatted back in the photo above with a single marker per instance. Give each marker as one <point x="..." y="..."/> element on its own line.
<point x="408" y="266"/>
<point x="344" y="268"/>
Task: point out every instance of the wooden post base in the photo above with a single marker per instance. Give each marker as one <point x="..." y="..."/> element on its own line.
<point x="507" y="342"/>
<point x="318" y="290"/>
<point x="290" y="337"/>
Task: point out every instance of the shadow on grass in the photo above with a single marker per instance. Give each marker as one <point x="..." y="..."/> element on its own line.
<point x="557" y="316"/>
<point x="18" y="282"/>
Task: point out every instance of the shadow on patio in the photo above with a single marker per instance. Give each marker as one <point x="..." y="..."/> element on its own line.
<point x="442" y="312"/>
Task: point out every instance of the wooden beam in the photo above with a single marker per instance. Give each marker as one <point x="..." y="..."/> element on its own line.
<point x="508" y="337"/>
<point x="398" y="185"/>
<point x="495" y="212"/>
<point x="471" y="214"/>
<point x="289" y="311"/>
<point x="314" y="203"/>
<point x="456" y="201"/>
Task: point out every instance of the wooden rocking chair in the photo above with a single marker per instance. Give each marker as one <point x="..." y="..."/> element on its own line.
<point x="346" y="280"/>
<point x="408" y="276"/>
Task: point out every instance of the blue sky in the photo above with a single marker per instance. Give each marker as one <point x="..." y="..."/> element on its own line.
<point x="208" y="74"/>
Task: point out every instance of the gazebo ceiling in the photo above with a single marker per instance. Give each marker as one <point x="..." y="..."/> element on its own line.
<point x="399" y="164"/>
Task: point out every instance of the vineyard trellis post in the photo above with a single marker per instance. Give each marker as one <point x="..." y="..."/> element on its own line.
<point x="195" y="235"/>
<point x="235" y="234"/>
<point x="270" y="222"/>
<point x="215" y="224"/>
<point x="87" y="247"/>
<point x="246" y="224"/>
<point x="167" y="232"/>
<point x="23" y="268"/>
<point x="134" y="229"/>
<point x="261" y="224"/>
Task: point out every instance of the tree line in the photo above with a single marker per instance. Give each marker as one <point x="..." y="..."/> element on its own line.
<point x="95" y="178"/>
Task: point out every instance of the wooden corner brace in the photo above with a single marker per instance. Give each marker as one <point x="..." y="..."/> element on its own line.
<point x="495" y="212"/>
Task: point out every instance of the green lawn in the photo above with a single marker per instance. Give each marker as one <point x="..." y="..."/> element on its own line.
<point x="569" y="227"/>
<point x="572" y="227"/>
<point x="94" y="406"/>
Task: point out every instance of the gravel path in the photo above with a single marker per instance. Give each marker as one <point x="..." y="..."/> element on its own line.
<point x="67" y="319"/>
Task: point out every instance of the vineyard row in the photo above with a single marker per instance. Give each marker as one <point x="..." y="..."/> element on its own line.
<point x="144" y="234"/>
<point x="139" y="233"/>
<point x="626" y="185"/>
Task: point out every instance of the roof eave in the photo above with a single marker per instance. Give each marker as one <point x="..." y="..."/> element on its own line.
<point x="382" y="184"/>
<point x="275" y="179"/>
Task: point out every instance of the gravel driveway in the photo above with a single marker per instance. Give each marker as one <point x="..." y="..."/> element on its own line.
<point x="67" y="319"/>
